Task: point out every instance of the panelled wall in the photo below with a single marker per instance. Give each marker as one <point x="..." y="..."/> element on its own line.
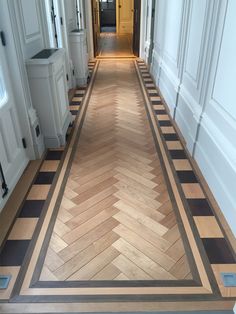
<point x="26" y="27"/>
<point x="23" y="28"/>
<point x="194" y="66"/>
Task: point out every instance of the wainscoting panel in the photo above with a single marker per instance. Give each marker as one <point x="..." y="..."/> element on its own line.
<point x="189" y="107"/>
<point x="168" y="35"/>
<point x="29" y="25"/>
<point x="216" y="144"/>
<point x="194" y="67"/>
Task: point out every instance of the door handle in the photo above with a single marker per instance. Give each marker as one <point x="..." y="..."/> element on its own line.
<point x="4" y="184"/>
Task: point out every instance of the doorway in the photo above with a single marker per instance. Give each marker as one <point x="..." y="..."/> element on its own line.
<point x="116" y="28"/>
<point x="107" y="16"/>
<point x="136" y="27"/>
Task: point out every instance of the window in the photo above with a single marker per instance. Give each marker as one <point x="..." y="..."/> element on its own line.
<point x="3" y="94"/>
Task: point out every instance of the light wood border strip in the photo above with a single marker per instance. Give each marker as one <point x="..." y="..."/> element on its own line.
<point x="116" y="58"/>
<point x="201" y="269"/>
<point x="114" y="291"/>
<point x="108" y="307"/>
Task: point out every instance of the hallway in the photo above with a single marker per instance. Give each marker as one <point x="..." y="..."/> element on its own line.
<point x="117" y="156"/>
<point x="115" y="210"/>
<point x="116" y="221"/>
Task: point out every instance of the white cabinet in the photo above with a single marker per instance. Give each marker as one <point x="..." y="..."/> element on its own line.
<point x="79" y="55"/>
<point x="47" y="81"/>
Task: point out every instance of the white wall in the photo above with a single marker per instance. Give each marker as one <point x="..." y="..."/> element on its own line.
<point x="194" y="66"/>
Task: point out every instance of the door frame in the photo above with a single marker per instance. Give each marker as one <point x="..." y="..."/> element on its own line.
<point x="139" y="29"/>
<point x="152" y="31"/>
<point x="147" y="29"/>
<point x="90" y="26"/>
<point x="95" y="12"/>
<point x="117" y="17"/>
<point x="61" y="32"/>
<point x="100" y="12"/>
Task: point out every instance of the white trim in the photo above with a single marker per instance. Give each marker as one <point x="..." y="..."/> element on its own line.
<point x="89" y="28"/>
<point x="143" y="29"/>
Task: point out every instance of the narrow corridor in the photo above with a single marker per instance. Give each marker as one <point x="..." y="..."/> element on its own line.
<point x="117" y="156"/>
<point x="121" y="211"/>
<point x="116" y="220"/>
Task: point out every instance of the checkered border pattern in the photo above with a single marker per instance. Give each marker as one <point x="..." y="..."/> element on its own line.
<point x="217" y="246"/>
<point x="16" y="245"/>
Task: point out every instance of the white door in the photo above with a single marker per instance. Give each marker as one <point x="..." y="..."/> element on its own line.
<point x="13" y="157"/>
<point x="126" y="16"/>
<point x="52" y="17"/>
<point x="58" y="22"/>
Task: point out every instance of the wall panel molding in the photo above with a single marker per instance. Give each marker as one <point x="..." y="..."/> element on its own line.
<point x="195" y="74"/>
<point x="29" y="26"/>
<point x="168" y="48"/>
<point x="29" y="13"/>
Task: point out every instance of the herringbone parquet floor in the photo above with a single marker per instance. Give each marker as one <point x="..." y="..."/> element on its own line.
<point x="116" y="220"/>
<point x="113" y="45"/>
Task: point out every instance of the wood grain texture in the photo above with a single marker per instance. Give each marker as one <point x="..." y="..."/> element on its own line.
<point x="116" y="220"/>
<point x="9" y="211"/>
<point x="114" y="45"/>
<point x="108" y="307"/>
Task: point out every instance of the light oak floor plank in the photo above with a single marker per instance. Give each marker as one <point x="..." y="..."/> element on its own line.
<point x="116" y="188"/>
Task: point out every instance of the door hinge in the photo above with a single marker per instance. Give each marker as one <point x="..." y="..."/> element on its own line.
<point x="4" y="184"/>
<point x="24" y="143"/>
<point x="153" y="13"/>
<point x="61" y="19"/>
<point x="67" y="77"/>
<point x="3" y="38"/>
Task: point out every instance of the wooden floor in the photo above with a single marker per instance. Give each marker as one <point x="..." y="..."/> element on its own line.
<point x="114" y="45"/>
<point x="120" y="219"/>
<point x="116" y="220"/>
